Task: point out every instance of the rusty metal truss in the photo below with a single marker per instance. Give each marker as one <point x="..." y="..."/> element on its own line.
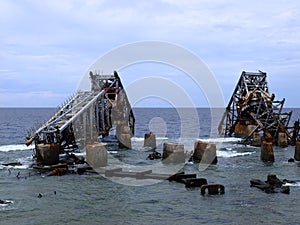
<point x="88" y="115"/>
<point x="252" y="108"/>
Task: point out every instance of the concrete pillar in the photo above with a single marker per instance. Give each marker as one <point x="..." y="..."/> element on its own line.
<point x="124" y="141"/>
<point x="205" y="152"/>
<point x="48" y="154"/>
<point x="96" y="154"/>
<point x="150" y="140"/>
<point x="267" y="153"/>
<point x="297" y="151"/>
<point x="282" y="140"/>
<point x="124" y="136"/>
<point x="173" y="152"/>
<point x="256" y="139"/>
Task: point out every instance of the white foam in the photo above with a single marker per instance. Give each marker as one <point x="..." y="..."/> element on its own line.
<point x="137" y="139"/>
<point x="21" y="167"/>
<point x="221" y="140"/>
<point x="297" y="184"/>
<point x="231" y="154"/>
<point x="9" y="202"/>
<point x="7" y="148"/>
<point x="112" y="152"/>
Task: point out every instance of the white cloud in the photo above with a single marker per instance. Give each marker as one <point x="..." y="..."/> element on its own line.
<point x="43" y="39"/>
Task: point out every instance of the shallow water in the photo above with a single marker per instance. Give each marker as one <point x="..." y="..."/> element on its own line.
<point x="93" y="199"/>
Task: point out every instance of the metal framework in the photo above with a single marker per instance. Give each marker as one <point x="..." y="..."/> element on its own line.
<point x="88" y="115"/>
<point x="251" y="108"/>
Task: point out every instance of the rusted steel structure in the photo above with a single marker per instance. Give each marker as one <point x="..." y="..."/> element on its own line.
<point x="252" y="109"/>
<point x="86" y="116"/>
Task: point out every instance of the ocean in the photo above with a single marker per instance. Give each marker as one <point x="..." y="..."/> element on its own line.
<point x="93" y="199"/>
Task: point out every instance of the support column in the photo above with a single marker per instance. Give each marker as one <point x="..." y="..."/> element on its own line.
<point x="48" y="154"/>
<point x="205" y="153"/>
<point x="150" y="140"/>
<point x="267" y="153"/>
<point x="173" y="153"/>
<point x="297" y="150"/>
<point x="124" y="136"/>
<point x="96" y="155"/>
<point x="282" y="140"/>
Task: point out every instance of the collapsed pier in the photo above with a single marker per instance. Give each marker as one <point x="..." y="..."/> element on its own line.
<point x="253" y="112"/>
<point x="84" y="118"/>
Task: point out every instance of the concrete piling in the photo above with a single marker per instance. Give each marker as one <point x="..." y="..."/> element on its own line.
<point x="297" y="150"/>
<point x="150" y="140"/>
<point x="267" y="153"/>
<point x="282" y="140"/>
<point x="256" y="139"/>
<point x="48" y="154"/>
<point x="205" y="152"/>
<point x="173" y="152"/>
<point x="124" y="141"/>
<point x="124" y="136"/>
<point x="96" y="155"/>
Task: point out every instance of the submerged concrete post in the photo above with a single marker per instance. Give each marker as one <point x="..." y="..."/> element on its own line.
<point x="256" y="139"/>
<point x="96" y="154"/>
<point x="205" y="153"/>
<point x="150" y="140"/>
<point x="297" y="150"/>
<point x="48" y="154"/>
<point x="267" y="153"/>
<point x="282" y="140"/>
<point x="173" y="152"/>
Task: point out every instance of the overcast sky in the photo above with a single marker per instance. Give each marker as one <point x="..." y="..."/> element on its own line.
<point x="47" y="46"/>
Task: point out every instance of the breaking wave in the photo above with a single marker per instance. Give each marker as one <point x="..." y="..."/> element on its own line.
<point x="297" y="184"/>
<point x="221" y="140"/>
<point x="142" y="139"/>
<point x="8" y="148"/>
<point x="231" y="154"/>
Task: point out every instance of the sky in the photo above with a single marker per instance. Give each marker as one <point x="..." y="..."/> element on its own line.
<point x="47" y="46"/>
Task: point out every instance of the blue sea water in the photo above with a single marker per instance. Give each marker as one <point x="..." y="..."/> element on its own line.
<point x="94" y="199"/>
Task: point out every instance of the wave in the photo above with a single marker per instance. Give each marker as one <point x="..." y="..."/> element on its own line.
<point x="6" y="202"/>
<point x="19" y="167"/>
<point x="142" y="139"/>
<point x="231" y="154"/>
<point x="112" y="152"/>
<point x="221" y="140"/>
<point x="19" y="147"/>
<point x="297" y="184"/>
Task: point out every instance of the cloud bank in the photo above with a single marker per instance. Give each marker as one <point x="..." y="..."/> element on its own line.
<point x="47" y="46"/>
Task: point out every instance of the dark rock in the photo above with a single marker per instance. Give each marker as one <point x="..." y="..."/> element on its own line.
<point x="4" y="202"/>
<point x="178" y="177"/>
<point x="291" y="160"/>
<point x="255" y="182"/>
<point x="213" y="189"/>
<point x="274" y="181"/>
<point x="272" y="185"/>
<point x="285" y="190"/>
<point x="194" y="182"/>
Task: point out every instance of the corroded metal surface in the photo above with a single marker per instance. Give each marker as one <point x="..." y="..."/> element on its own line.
<point x="253" y="109"/>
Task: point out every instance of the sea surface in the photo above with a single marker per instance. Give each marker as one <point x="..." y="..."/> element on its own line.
<point x="94" y="199"/>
